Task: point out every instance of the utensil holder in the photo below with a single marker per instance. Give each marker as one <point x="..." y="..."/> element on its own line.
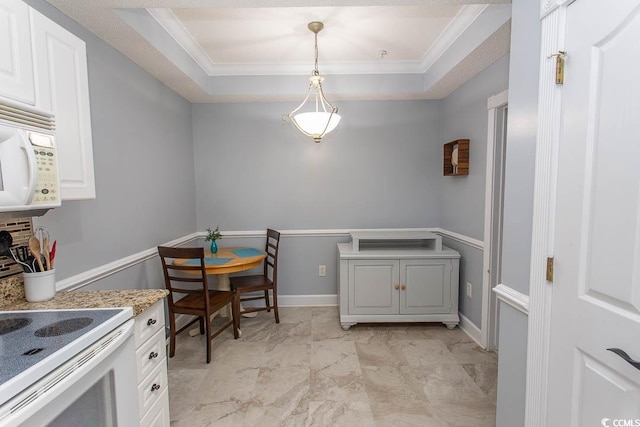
<point x="40" y="286"/>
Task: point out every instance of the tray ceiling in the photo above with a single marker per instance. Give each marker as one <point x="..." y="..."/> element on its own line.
<point x="240" y="50"/>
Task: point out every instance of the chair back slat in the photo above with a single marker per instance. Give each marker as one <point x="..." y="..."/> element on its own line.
<point x="272" y="247"/>
<point x="192" y="273"/>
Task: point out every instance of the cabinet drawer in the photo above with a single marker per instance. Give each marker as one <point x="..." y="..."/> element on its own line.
<point x="150" y="354"/>
<point x="158" y="415"/>
<point x="149" y="322"/>
<point x="152" y="387"/>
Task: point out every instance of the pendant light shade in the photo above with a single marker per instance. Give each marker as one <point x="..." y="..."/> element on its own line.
<point x="321" y="117"/>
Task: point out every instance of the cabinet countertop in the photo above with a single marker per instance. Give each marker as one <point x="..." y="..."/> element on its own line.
<point x="138" y="299"/>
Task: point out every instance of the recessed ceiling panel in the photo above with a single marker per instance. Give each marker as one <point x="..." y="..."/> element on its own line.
<point x="351" y="34"/>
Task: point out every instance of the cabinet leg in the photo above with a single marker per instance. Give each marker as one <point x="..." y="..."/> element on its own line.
<point x="450" y="325"/>
<point x="346" y="326"/>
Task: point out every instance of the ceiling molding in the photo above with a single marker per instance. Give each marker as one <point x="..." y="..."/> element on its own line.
<point x="172" y="25"/>
<point x="151" y="35"/>
<point x="460" y="23"/>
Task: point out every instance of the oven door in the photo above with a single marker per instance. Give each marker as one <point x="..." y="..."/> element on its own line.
<point x="97" y="387"/>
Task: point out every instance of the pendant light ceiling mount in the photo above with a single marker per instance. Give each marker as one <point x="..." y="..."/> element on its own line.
<point x="323" y="118"/>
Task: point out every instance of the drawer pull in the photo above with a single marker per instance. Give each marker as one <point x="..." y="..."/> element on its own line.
<point x="155" y="387"/>
<point x="151" y="322"/>
<point x="153" y="355"/>
<point x="396" y="287"/>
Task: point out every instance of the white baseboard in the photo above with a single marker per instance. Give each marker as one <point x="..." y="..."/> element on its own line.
<point x="307" y="300"/>
<point x="470" y="329"/>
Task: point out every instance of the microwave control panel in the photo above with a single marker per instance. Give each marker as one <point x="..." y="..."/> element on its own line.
<point x="47" y="185"/>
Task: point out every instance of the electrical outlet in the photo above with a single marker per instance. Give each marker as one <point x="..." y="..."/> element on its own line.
<point x="469" y="289"/>
<point x="322" y="270"/>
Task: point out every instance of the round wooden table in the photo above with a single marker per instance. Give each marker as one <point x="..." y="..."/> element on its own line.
<point x="238" y="259"/>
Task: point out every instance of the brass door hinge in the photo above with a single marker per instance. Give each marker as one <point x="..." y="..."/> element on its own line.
<point x="550" y="269"/>
<point x="559" y="66"/>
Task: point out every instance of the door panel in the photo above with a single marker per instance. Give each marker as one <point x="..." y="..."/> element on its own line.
<point x="373" y="289"/>
<point x="596" y="288"/>
<point x="427" y="287"/>
<point x="602" y="390"/>
<point x="16" y="62"/>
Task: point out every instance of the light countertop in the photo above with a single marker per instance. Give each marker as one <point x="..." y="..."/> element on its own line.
<point x="138" y="299"/>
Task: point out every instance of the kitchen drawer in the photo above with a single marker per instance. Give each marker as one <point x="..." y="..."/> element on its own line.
<point x="149" y="322"/>
<point x="152" y="387"/>
<point x="150" y="354"/>
<point x="158" y="415"/>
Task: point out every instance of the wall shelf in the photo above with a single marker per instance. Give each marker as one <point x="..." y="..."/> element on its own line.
<point x="462" y="168"/>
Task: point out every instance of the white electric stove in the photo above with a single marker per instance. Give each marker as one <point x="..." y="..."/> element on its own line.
<point x="44" y="354"/>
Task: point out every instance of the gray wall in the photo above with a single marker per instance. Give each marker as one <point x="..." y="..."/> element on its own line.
<point x="380" y="169"/>
<point x="518" y="206"/>
<point x="512" y="372"/>
<point x="143" y="158"/>
<point x="464" y="116"/>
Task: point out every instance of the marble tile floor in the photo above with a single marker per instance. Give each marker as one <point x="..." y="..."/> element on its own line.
<point x="307" y="371"/>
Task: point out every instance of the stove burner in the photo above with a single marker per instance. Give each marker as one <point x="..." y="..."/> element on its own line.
<point x="10" y="325"/>
<point x="63" y="327"/>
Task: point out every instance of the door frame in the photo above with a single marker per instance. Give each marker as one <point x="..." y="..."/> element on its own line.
<point x="492" y="248"/>
<point x="553" y="24"/>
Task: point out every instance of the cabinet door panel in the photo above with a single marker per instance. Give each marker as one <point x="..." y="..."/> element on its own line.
<point x="63" y="87"/>
<point x="16" y="62"/>
<point x="372" y="290"/>
<point x="428" y="286"/>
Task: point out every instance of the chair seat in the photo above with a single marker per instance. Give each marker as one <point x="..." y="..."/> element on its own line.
<point x="258" y="282"/>
<point x="196" y="302"/>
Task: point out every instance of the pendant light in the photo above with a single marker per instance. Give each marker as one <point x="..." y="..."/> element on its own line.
<point x="323" y="117"/>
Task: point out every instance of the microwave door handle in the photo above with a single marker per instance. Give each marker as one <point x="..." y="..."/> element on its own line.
<point x="33" y="168"/>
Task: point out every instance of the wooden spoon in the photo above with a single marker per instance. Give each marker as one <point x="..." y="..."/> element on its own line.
<point x="34" y="247"/>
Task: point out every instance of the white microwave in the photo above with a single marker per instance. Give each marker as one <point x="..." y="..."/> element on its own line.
<point x="29" y="179"/>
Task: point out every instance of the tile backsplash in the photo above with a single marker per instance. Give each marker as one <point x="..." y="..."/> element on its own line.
<point x="11" y="288"/>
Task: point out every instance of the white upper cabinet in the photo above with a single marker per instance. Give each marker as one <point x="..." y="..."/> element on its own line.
<point x="16" y="62"/>
<point x="62" y="86"/>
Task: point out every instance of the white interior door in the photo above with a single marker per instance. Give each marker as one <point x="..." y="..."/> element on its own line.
<point x="596" y="288"/>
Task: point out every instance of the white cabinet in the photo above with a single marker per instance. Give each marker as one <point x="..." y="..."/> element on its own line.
<point x="16" y="61"/>
<point x="62" y="86"/>
<point x="151" y="361"/>
<point x="398" y="280"/>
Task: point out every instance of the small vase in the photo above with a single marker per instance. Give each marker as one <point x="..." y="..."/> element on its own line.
<point x="214" y="247"/>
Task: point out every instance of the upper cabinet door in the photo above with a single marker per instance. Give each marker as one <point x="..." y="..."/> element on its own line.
<point x="16" y="63"/>
<point x="62" y="86"/>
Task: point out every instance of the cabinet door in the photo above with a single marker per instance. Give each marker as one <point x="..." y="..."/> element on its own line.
<point x="425" y="286"/>
<point x="372" y="287"/>
<point x="62" y="86"/>
<point x="16" y="63"/>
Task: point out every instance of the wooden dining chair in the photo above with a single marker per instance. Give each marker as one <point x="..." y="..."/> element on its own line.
<point x="265" y="282"/>
<point x="189" y="293"/>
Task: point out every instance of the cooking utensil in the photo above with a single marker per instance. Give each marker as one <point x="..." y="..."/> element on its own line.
<point x="52" y="254"/>
<point x="6" y="240"/>
<point x="34" y="247"/>
<point x="45" y="250"/>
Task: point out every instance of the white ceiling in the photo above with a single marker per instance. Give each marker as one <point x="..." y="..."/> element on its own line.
<point x="248" y="50"/>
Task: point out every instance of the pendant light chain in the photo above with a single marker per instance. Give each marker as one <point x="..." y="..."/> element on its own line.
<point x="315" y="70"/>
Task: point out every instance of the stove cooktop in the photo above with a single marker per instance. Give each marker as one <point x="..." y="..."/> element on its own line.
<point x="34" y="343"/>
